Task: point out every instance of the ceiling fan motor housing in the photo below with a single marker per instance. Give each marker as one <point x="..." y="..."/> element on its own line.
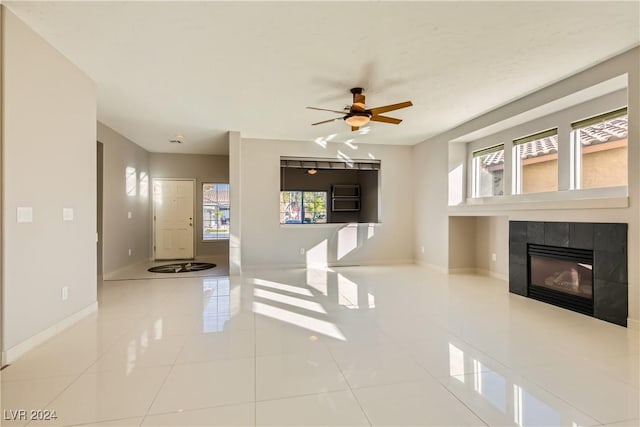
<point x="357" y="114"/>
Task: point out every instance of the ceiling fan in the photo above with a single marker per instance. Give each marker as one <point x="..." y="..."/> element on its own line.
<point x="357" y="115"/>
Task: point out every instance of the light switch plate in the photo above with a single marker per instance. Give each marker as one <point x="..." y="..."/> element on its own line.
<point x="24" y="214"/>
<point x="129" y="215"/>
<point x="67" y="214"/>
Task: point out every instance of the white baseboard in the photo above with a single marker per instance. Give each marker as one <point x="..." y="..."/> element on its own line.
<point x="462" y="271"/>
<point x="493" y="274"/>
<point x="250" y="269"/>
<point x="10" y="355"/>
<point x="431" y="266"/>
<point x="480" y="272"/>
<point x="633" y="324"/>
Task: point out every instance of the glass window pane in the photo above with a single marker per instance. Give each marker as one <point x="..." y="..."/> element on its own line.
<point x="488" y="174"/>
<point x="290" y="207"/>
<point x="537" y="165"/>
<point x="602" y="153"/>
<point x="215" y="211"/>
<point x="315" y="207"/>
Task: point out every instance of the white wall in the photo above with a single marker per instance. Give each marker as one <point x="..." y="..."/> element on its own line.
<point x="49" y="163"/>
<point x="429" y="224"/>
<point x="266" y="242"/>
<point x="121" y="233"/>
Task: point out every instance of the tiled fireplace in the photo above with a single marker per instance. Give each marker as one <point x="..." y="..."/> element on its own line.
<point x="577" y="266"/>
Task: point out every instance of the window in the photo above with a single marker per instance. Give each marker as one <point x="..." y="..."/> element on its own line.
<point x="303" y="207"/>
<point x="488" y="172"/>
<point x="535" y="160"/>
<point x="600" y="150"/>
<point x="215" y="211"/>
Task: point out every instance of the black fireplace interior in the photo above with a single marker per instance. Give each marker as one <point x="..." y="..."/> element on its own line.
<point x="561" y="276"/>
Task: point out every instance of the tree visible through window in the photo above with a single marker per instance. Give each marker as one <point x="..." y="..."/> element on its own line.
<point x="303" y="207"/>
<point x="215" y="211"/>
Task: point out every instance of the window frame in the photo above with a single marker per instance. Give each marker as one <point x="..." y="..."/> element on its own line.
<point x="302" y="208"/>
<point x="475" y="159"/>
<point x="576" y="145"/>
<point x="516" y="159"/>
<point x="203" y="205"/>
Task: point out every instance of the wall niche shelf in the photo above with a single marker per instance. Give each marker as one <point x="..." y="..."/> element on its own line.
<point x="345" y="198"/>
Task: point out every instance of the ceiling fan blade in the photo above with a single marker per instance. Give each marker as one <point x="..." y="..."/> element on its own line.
<point x="324" y="109"/>
<point x="386" y="119"/>
<point x="354" y="128"/>
<point x="380" y="110"/>
<point x="326" y="121"/>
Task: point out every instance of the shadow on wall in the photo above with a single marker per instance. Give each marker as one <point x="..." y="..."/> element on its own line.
<point x="347" y="239"/>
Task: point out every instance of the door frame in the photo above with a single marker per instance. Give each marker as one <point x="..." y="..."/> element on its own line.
<point x="153" y="213"/>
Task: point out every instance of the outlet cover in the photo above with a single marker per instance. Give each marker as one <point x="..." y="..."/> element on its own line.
<point x="67" y="214"/>
<point x="64" y="294"/>
<point x="493" y="257"/>
<point x="129" y="215"/>
<point x="129" y="252"/>
<point x="24" y="214"/>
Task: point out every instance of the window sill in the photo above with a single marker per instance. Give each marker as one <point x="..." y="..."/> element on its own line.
<point x="593" y="198"/>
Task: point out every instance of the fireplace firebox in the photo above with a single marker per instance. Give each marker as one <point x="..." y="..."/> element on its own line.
<point x="580" y="266"/>
<point x="561" y="276"/>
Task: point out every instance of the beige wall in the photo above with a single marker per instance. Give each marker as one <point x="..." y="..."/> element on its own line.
<point x="431" y="226"/>
<point x="2" y="347"/>
<point x="601" y="167"/>
<point x="487" y="227"/>
<point x="462" y="246"/>
<point x="120" y="232"/>
<point x="204" y="169"/>
<point x="604" y="168"/>
<point x="49" y="163"/>
<point x="540" y="176"/>
<point x="267" y="243"/>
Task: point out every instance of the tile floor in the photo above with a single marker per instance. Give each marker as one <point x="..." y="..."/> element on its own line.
<point x="139" y="270"/>
<point x="400" y="345"/>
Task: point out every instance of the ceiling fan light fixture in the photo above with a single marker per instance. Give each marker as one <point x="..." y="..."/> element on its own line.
<point x="357" y="120"/>
<point x="312" y="171"/>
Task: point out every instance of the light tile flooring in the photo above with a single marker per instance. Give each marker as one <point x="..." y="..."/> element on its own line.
<point x="139" y="270"/>
<point x="399" y="345"/>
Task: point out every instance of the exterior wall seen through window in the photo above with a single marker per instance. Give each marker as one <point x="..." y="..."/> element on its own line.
<point x="601" y="150"/>
<point x="488" y="172"/>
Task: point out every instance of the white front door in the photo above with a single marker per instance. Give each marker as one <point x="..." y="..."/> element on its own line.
<point x="174" y="219"/>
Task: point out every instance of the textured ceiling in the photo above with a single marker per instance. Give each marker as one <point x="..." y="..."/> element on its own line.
<point x="203" y="68"/>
